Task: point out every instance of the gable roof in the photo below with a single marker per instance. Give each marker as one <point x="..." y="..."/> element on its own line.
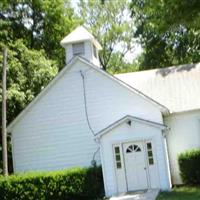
<point x="126" y="119"/>
<point x="176" y="87"/>
<point x="78" y="35"/>
<point x="65" y="69"/>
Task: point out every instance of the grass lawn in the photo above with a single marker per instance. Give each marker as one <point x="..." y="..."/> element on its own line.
<point x="181" y="193"/>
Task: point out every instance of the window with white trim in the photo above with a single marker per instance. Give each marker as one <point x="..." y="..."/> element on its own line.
<point x="117" y="157"/>
<point x="150" y="153"/>
<point x="133" y="148"/>
<point x="78" y="49"/>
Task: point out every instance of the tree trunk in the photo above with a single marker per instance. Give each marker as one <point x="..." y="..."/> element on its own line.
<point x="4" y="132"/>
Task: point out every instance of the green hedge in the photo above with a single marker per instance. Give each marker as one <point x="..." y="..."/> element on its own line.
<point x="189" y="164"/>
<point x="72" y="184"/>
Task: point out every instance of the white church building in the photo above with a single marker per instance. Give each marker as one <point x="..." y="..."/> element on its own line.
<point x="133" y="124"/>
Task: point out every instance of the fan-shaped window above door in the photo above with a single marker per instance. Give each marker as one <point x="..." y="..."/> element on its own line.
<point x="133" y="148"/>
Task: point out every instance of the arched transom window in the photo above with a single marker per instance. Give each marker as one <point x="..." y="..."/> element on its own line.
<point x="133" y="148"/>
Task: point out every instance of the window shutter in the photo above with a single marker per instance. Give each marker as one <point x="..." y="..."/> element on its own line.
<point x="78" y="49"/>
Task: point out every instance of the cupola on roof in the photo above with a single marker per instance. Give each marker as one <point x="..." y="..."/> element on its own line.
<point x="78" y="35"/>
<point x="81" y="43"/>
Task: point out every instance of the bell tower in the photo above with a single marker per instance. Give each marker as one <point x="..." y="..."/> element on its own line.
<point x="81" y="43"/>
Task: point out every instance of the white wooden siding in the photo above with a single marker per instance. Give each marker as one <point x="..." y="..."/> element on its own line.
<point x="184" y="134"/>
<point x="54" y="133"/>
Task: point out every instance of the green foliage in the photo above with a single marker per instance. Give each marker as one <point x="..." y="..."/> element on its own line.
<point x="31" y="30"/>
<point x="120" y="66"/>
<point x="110" y="23"/>
<point x="168" y="14"/>
<point x="76" y="184"/>
<point x="181" y="193"/>
<point x="40" y="24"/>
<point x="28" y="72"/>
<point x="189" y="164"/>
<point x="167" y="37"/>
<point x="182" y="12"/>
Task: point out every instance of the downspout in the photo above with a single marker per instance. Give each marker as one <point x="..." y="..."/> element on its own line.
<point x="168" y="165"/>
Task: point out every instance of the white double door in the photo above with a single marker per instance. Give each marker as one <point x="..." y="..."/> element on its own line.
<point x="135" y="166"/>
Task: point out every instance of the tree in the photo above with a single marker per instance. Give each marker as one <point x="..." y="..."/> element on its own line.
<point x="4" y="131"/>
<point x="40" y="23"/>
<point x="32" y="30"/>
<point x="110" y="23"/>
<point x="166" y="39"/>
<point x="29" y="71"/>
<point x="168" y="14"/>
<point x="176" y="12"/>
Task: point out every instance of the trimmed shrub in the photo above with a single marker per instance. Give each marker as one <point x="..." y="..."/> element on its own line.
<point x="189" y="164"/>
<point x="71" y="184"/>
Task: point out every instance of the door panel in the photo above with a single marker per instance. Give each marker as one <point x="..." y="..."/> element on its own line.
<point x="135" y="166"/>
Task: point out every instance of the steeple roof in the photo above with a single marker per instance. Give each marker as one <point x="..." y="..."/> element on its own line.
<point x="78" y="35"/>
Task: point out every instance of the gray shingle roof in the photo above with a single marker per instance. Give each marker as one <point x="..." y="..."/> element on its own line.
<point x="177" y="87"/>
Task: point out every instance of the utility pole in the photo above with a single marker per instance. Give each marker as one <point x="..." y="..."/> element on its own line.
<point x="4" y="131"/>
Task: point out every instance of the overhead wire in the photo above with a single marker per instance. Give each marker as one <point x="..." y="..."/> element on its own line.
<point x="86" y="114"/>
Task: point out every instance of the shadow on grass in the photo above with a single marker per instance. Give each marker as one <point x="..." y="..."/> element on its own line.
<point x="181" y="193"/>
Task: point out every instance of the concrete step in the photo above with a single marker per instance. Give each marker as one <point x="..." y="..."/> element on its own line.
<point x="150" y="194"/>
